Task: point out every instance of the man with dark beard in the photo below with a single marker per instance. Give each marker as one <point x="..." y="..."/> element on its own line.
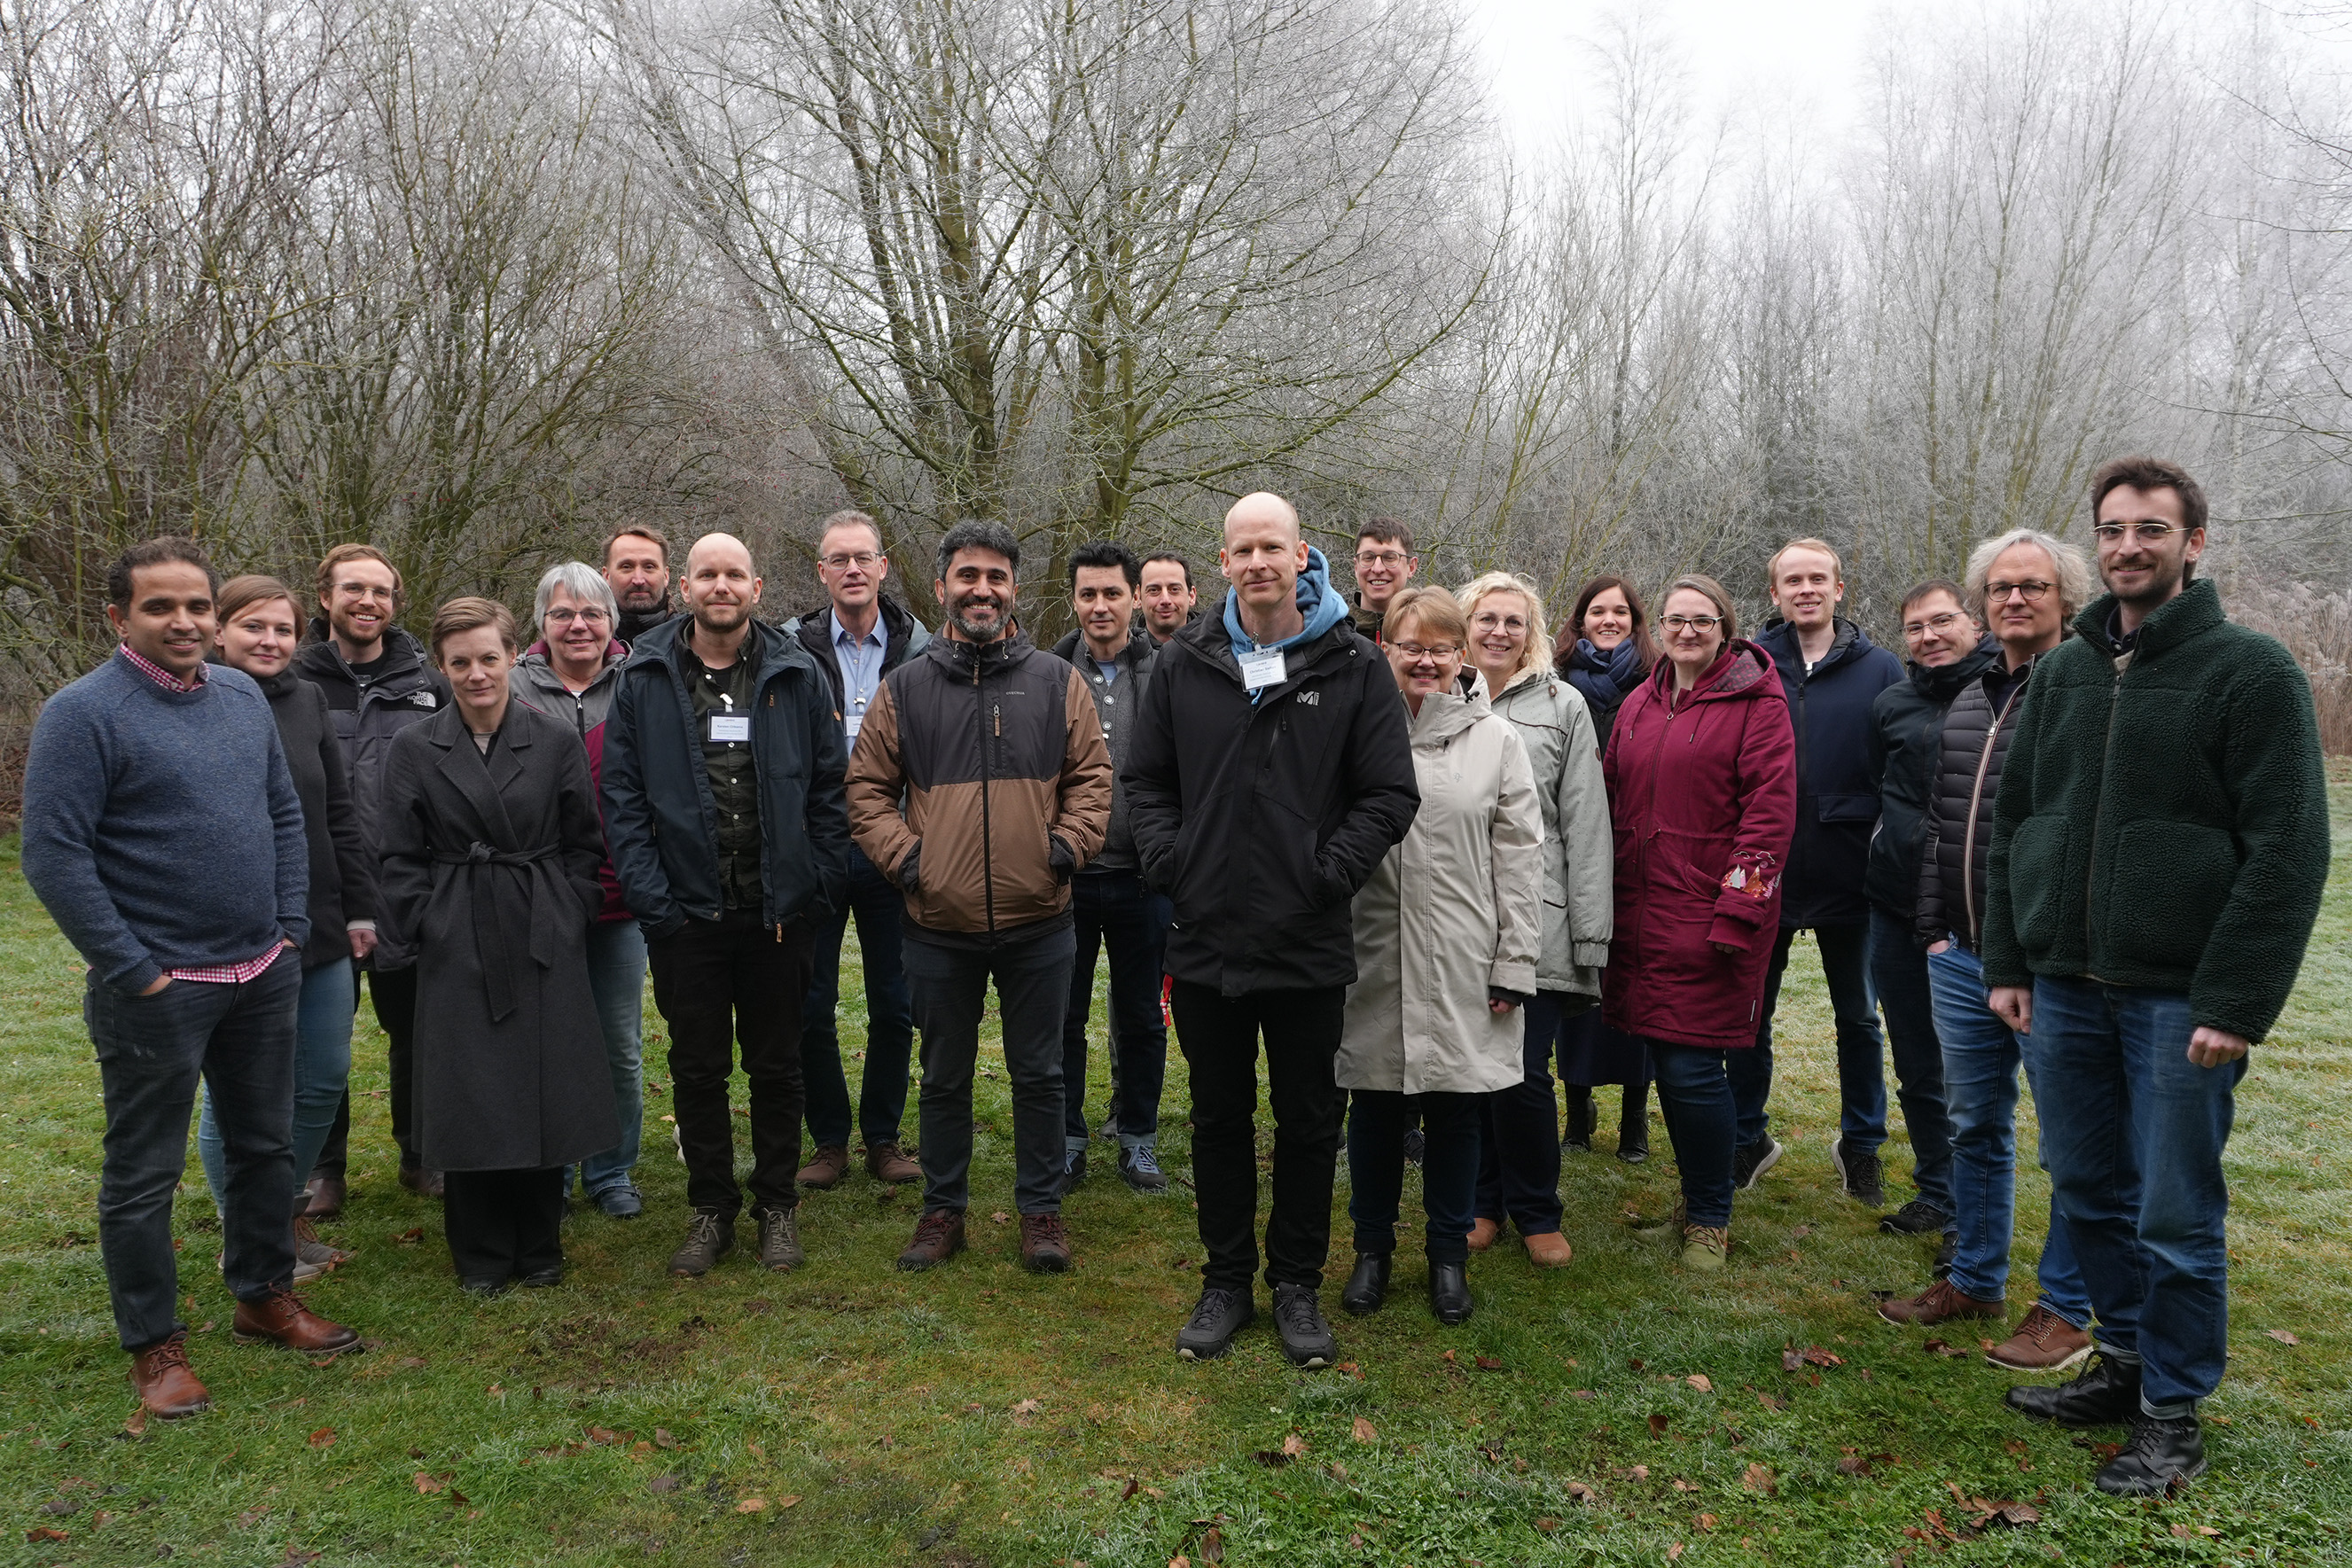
<point x="636" y="566"/>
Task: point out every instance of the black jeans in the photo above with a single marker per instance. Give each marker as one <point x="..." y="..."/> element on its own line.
<point x="151" y="1051"/>
<point x="721" y="982"/>
<point x="393" y="992"/>
<point x="1219" y="1035"/>
<point x="951" y="989"/>
<point x="1449" y="1168"/>
<point x="1861" y="1080"/>
<point x="1899" y="971"/>
<point x="1519" y="1159"/>
<point x="1114" y="911"/>
<point x="890" y="1016"/>
<point x="503" y="1223"/>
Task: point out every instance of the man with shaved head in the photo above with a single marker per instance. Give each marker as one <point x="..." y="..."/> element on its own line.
<point x="1268" y="776"/>
<point x="724" y="819"/>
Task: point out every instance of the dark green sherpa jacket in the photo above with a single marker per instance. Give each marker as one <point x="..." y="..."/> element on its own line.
<point x="2163" y="824"/>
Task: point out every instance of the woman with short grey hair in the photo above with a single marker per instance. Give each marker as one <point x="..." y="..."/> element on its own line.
<point x="578" y="581"/>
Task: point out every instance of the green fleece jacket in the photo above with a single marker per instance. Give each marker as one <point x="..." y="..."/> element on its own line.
<point x="2162" y="819"/>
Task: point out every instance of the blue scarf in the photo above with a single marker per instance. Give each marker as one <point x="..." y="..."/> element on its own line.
<point x="1605" y="679"/>
<point x="1322" y="608"/>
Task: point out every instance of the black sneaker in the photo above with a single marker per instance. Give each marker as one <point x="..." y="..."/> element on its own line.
<point x="1140" y="1168"/>
<point x="2163" y="1454"/>
<point x="1209" y="1333"/>
<point x="1413" y="1145"/>
<point x="779" y="1241"/>
<point x="1074" y="1173"/>
<point x="1749" y="1163"/>
<point x="1858" y="1173"/>
<point x="708" y="1237"/>
<point x="2106" y="1394"/>
<point x="1916" y="1217"/>
<point x="1307" y="1339"/>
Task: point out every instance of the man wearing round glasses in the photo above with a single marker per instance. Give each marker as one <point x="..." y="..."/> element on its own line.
<point x="1384" y="564"/>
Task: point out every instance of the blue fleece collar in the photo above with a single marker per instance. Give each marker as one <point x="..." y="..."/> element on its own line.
<point x="1322" y="608"/>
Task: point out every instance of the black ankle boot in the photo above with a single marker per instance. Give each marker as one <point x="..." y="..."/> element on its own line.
<point x="2106" y="1394"/>
<point x="1449" y="1293"/>
<point x="1579" y="1119"/>
<point x="1368" y="1287"/>
<point x="2162" y="1454"/>
<point x="1633" y="1125"/>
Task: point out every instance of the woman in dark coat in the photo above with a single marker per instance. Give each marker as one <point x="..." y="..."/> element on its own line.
<point x="492" y="845"/>
<point x="1702" y="774"/>
<point x="1606" y="651"/>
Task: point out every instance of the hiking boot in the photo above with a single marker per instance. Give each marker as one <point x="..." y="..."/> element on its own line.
<point x="1482" y="1232"/>
<point x="779" y="1241"/>
<point x="1219" y="1316"/>
<point x="1367" y="1286"/>
<point x="1939" y="1302"/>
<point x="1858" y="1173"/>
<point x="309" y="1249"/>
<point x="1548" y="1249"/>
<point x="1916" y="1217"/>
<point x="1750" y="1162"/>
<point x="1139" y="1167"/>
<point x="887" y="1162"/>
<point x="825" y="1168"/>
<point x="326" y="1194"/>
<point x="1705" y="1247"/>
<point x="2164" y="1453"/>
<point x="1307" y="1339"/>
<point x="1074" y="1173"/>
<point x="938" y="1235"/>
<point x="1577" y="1138"/>
<point x="167" y="1388"/>
<point x="2044" y="1341"/>
<point x="2107" y="1394"/>
<point x="709" y="1236"/>
<point x="1449" y="1293"/>
<point x="279" y="1318"/>
<point x="1045" y="1244"/>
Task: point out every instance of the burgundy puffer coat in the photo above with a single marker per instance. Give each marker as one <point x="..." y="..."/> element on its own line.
<point x="1702" y="792"/>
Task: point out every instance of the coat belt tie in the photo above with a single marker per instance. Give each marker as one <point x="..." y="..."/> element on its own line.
<point x="480" y="860"/>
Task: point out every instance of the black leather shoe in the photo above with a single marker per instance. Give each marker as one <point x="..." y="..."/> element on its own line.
<point x="2161" y="1455"/>
<point x="1368" y="1287"/>
<point x="482" y="1285"/>
<point x="541" y="1279"/>
<point x="2106" y="1394"/>
<point x="1449" y="1293"/>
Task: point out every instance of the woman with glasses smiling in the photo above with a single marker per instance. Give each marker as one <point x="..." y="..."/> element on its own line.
<point x="1701" y="775"/>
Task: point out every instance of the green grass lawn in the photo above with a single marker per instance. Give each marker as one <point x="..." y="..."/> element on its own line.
<point x="1618" y="1411"/>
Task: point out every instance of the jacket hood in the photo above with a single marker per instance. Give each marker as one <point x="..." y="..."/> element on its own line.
<point x="1737" y="672"/>
<point x="1778" y="639"/>
<point x="1942" y="683"/>
<point x="1445" y="715"/>
<point x="2197" y="608"/>
<point x="987" y="658"/>
<point x="540" y="671"/>
<point x="1315" y="598"/>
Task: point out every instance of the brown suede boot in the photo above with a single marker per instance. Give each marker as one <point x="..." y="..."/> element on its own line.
<point x="1939" y="1302"/>
<point x="938" y="1235"/>
<point x="280" y="1318"/>
<point x="825" y="1168"/>
<point x="167" y="1388"/>
<point x="888" y="1162"/>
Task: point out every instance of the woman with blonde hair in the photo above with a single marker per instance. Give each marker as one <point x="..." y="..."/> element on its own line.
<point x="1518" y="1171"/>
<point x="1446" y="934"/>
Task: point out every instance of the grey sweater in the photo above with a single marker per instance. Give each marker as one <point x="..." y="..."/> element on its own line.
<point x="161" y="829"/>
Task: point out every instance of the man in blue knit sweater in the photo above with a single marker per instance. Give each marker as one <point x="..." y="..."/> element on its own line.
<point x="162" y="833"/>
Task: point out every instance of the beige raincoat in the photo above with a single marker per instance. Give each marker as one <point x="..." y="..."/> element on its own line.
<point x="1578" y="864"/>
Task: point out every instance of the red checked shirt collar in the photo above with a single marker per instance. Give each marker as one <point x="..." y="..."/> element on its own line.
<point x="158" y="674"/>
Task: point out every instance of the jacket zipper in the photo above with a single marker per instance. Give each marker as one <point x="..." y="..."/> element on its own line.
<point x="1976" y="803"/>
<point x="987" y="850"/>
<point x="2098" y="807"/>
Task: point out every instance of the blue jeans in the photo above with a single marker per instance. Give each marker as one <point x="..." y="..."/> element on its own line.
<point x="151" y="1051"/>
<point x="950" y="991"/>
<point x="1981" y="1056"/>
<point x="1898" y="972"/>
<point x="2135" y="1131"/>
<point x="1695" y="1097"/>
<point x="1519" y="1160"/>
<point x="616" y="976"/>
<point x="1449" y="1168"/>
<point x="889" y="1016"/>
<point x="1862" y="1082"/>
<point x="1115" y="912"/>
<point x="322" y="1066"/>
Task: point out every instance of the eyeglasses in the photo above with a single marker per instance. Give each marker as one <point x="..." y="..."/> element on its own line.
<point x="592" y="616"/>
<point x="1691" y="623"/>
<point x="864" y="559"/>
<point x="2031" y="592"/>
<point x="1938" y="624"/>
<point x="1416" y="652"/>
<point x="1500" y="622"/>
<point x="2146" y="533"/>
<point x="1381" y="557"/>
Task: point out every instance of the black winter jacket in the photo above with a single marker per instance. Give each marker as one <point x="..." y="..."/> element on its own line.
<point x="1949" y="900"/>
<point x="1263" y="820"/>
<point x="1837" y="795"/>
<point x="1906" y="742"/>
<point x="1116" y="703"/>
<point x="660" y="822"/>
<point x="343" y="870"/>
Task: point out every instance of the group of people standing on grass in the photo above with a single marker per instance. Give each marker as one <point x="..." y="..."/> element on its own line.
<point x="1417" y="850"/>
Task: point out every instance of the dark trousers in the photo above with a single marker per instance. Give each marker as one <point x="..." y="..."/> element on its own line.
<point x="393" y="992"/>
<point x="890" y="1016"/>
<point x="1695" y="1094"/>
<point x="1518" y="1157"/>
<point x="1862" y="1081"/>
<point x="719" y="983"/>
<point x="1219" y="1035"/>
<point x="951" y="991"/>
<point x="152" y="1052"/>
<point x="1898" y="972"/>
<point x="1451" y="1126"/>
<point x="503" y="1223"/>
<point x="1115" y="913"/>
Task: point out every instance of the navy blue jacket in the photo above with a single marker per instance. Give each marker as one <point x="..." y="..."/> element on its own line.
<point x="1837" y="788"/>
<point x="660" y="820"/>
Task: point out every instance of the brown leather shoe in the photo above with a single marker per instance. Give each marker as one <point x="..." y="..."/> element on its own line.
<point x="825" y="1168"/>
<point x="422" y="1182"/>
<point x="888" y="1162"/>
<point x="1549" y="1249"/>
<point x="167" y="1389"/>
<point x="327" y="1194"/>
<point x="1482" y="1232"/>
<point x="938" y="1235"/>
<point x="1939" y="1302"/>
<point x="280" y="1318"/>
<point x="2044" y="1341"/>
<point x="1045" y="1244"/>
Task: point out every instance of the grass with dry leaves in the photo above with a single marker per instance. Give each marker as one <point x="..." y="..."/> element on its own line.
<point x="1620" y="1411"/>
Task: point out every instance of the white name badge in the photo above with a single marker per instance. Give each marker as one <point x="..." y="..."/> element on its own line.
<point x="730" y="727"/>
<point x="1263" y="668"/>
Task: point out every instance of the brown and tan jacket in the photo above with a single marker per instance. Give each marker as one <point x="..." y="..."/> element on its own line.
<point x="998" y="754"/>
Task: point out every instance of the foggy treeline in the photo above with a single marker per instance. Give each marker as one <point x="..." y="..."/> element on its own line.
<point x="480" y="279"/>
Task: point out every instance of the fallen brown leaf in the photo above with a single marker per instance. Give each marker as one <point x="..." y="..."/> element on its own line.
<point x="1364" y="1431"/>
<point x="324" y="1438"/>
<point x="1854" y="1464"/>
<point x="137" y="1425"/>
<point x="36" y="1536"/>
<point x="663" y="1483"/>
<point x="1675" y="1552"/>
<point x="600" y="1435"/>
<point x="1698" y="1380"/>
<point x="1658" y="1423"/>
<point x="1212" y="1545"/>
<point x="2284" y="1337"/>
<point x="1938" y="1347"/>
<point x="1293" y="1445"/>
<point x="1490" y="1364"/>
<point x="752" y="1505"/>
<point x="1755" y="1477"/>
<point x="662" y="1439"/>
<point x="1578" y="1493"/>
<point x="1546" y="1524"/>
<point x="1026" y="1408"/>
<point x="425" y="1484"/>
<point x="1001" y="1218"/>
<point x="1707" y="1521"/>
<point x="1775" y="1405"/>
<point x="791" y="1501"/>
<point x="410" y="1237"/>
<point x="1815" y="1355"/>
